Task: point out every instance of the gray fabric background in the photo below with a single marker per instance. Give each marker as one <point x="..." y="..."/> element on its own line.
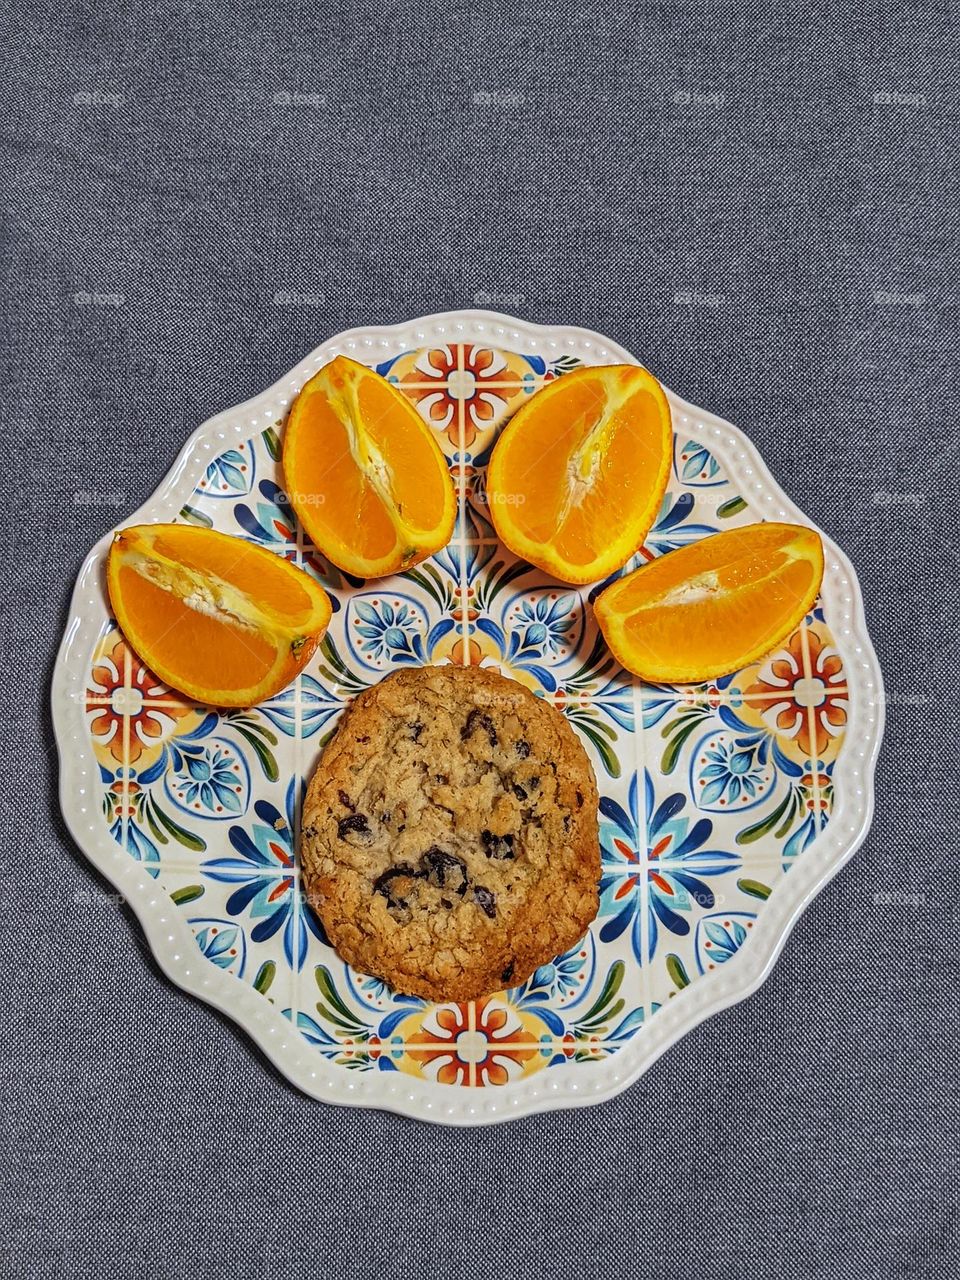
<point x="762" y="204"/>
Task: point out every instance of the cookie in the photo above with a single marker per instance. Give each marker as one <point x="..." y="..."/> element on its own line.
<point x="449" y="840"/>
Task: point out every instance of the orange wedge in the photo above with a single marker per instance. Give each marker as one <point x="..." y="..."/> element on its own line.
<point x="576" y="479"/>
<point x="364" y="473"/>
<point x="712" y="607"/>
<point x="223" y="621"/>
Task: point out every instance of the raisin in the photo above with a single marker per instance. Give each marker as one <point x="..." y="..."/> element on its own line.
<point x="356" y="822"/>
<point x="485" y="900"/>
<point x="522" y="748"/>
<point x="478" y="717"/>
<point x="385" y="818"/>
<point x="500" y="847"/>
<point x="345" y="801"/>
<point x="534" y="782"/>
<point x="416" y="730"/>
<point x="566" y="822"/>
<point x="579" y="798"/>
<point x="444" y="870"/>
<point x="519" y="792"/>
<point x="385" y="886"/>
<point x="445" y="902"/>
<point x="507" y="973"/>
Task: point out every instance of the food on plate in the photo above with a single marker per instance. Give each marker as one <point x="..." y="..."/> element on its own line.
<point x="577" y="477"/>
<point x="449" y="838"/>
<point x="218" y="618"/>
<point x="364" y="473"/>
<point x="714" y="606"/>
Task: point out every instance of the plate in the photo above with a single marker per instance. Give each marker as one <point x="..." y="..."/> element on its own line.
<point x="725" y="806"/>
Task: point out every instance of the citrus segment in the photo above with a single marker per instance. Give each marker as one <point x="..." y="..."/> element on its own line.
<point x="576" y="479"/>
<point x="365" y="475"/>
<point x="221" y="620"/>
<point x="292" y="596"/>
<point x="712" y="607"/>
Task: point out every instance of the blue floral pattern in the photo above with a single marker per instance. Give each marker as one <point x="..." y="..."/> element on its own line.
<point x="695" y="465"/>
<point x="223" y="943"/>
<point x="728" y="771"/>
<point x="319" y="707"/>
<point x="271" y="521"/>
<point x="720" y="936"/>
<point x="392" y="630"/>
<point x="675" y="525"/>
<point x="213" y="778"/>
<point x="263" y="871"/>
<point x="675" y="864"/>
<point x="230" y="474"/>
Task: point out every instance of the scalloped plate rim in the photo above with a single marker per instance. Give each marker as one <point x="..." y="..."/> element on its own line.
<point x="169" y="937"/>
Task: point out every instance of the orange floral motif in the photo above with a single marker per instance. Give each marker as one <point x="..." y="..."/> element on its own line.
<point x="488" y="1049"/>
<point x="814" y="785"/>
<point x="466" y="653"/>
<point x="810" y="709"/>
<point x="112" y="698"/>
<point x="471" y="382"/>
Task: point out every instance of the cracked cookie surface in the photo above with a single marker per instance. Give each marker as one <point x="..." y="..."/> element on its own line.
<point x="449" y="838"/>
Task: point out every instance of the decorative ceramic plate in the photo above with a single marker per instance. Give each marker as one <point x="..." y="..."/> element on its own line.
<point x="725" y="806"/>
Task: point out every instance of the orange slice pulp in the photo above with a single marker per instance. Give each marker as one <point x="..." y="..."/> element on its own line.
<point x="365" y="474"/>
<point x="221" y="620"/>
<point x="712" y="607"/>
<point x="577" y="477"/>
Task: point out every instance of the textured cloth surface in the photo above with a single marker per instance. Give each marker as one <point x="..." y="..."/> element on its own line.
<point x="762" y="206"/>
